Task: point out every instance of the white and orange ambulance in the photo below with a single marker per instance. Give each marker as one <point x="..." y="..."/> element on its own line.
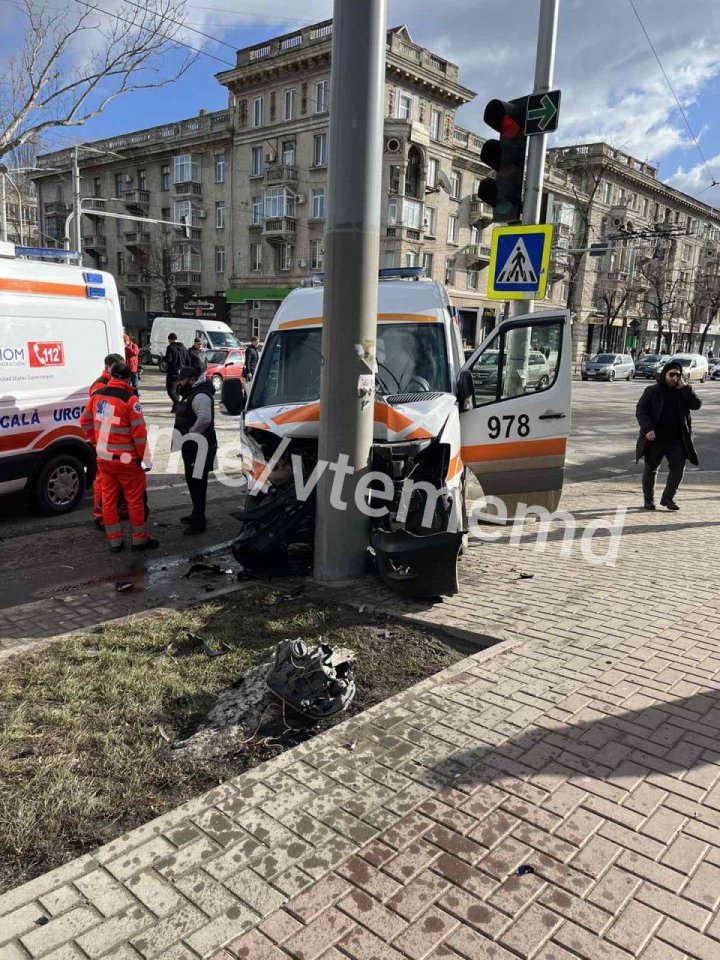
<point x="58" y="321"/>
<point x="503" y="414"/>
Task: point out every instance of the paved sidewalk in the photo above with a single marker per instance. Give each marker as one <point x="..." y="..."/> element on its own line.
<point x="584" y="748"/>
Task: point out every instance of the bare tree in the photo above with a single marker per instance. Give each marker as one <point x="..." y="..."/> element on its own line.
<point x="662" y="294"/>
<point x="75" y="59"/>
<point x="583" y="205"/>
<point x="705" y="305"/>
<point x="158" y="263"/>
<point x="612" y="296"/>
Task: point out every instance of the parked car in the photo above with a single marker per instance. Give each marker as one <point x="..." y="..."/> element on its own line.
<point x="608" y="366"/>
<point x="715" y="375"/>
<point x="695" y="366"/>
<point x="485" y="373"/>
<point x="224" y="365"/>
<point x="650" y="365"/>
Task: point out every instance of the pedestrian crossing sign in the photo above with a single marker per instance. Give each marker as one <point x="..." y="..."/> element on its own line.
<point x="519" y="258"/>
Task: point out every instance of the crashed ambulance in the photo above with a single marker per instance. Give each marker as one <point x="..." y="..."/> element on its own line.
<point x="503" y="414"/>
<point x="58" y="321"/>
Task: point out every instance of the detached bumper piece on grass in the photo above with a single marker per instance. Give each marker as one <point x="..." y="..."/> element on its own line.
<point x="309" y="682"/>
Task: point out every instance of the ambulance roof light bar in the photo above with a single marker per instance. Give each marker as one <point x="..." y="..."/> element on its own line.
<point x="385" y="273"/>
<point x="52" y="253"/>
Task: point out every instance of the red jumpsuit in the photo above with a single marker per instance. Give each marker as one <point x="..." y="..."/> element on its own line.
<point x="86" y="425"/>
<point x="120" y="437"/>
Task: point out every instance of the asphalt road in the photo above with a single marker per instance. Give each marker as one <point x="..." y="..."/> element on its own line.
<point x="41" y="556"/>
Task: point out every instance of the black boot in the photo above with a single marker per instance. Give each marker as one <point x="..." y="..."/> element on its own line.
<point x="668" y="502"/>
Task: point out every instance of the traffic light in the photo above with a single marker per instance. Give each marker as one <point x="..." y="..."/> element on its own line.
<point x="506" y="156"/>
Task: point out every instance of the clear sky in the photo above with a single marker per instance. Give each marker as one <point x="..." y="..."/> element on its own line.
<point x="612" y="86"/>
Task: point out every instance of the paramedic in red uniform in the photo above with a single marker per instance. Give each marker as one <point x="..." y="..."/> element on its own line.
<point x="86" y="426"/>
<point x="121" y="441"/>
<point x="132" y="354"/>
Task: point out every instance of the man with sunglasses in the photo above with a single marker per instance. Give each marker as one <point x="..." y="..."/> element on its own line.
<point x="663" y="412"/>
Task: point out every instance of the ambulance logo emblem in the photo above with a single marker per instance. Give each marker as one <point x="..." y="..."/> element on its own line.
<point x="103" y="410"/>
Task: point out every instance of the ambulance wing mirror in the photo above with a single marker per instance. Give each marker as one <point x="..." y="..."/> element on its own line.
<point x="464" y="387"/>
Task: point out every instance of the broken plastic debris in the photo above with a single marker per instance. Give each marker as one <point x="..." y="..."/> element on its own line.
<point x="525" y="868"/>
<point x="202" y="567"/>
<point x="123" y="586"/>
<point x="526" y="576"/>
<point x="41" y="921"/>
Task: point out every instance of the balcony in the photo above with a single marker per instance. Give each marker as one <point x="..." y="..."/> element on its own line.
<point x="187" y="188"/>
<point x="94" y="203"/>
<point x="137" y="200"/>
<point x="57" y="208"/>
<point x="137" y="239"/>
<point x="95" y="242"/>
<point x="187" y="279"/>
<point x="557" y="268"/>
<point x="477" y="253"/>
<point x="281" y="174"/>
<point x="480" y="211"/>
<point x="139" y="280"/>
<point x="280" y="229"/>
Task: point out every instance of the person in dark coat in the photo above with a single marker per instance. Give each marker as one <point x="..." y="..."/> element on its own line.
<point x="176" y="357"/>
<point x="663" y="412"/>
<point x="195" y="425"/>
<point x="251" y="358"/>
<point x="197" y="357"/>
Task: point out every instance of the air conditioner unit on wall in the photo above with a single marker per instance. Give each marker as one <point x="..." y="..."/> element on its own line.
<point x="202" y="214"/>
<point x="302" y="262"/>
<point x="300" y="198"/>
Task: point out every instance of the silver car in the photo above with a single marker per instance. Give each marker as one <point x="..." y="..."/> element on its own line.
<point x="608" y="366"/>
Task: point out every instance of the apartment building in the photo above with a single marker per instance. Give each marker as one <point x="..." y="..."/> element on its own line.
<point x="18" y="211"/>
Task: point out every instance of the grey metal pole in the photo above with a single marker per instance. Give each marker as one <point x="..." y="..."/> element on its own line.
<point x="3" y="208"/>
<point x="77" y="220"/>
<point x="357" y="84"/>
<point x="537" y="146"/>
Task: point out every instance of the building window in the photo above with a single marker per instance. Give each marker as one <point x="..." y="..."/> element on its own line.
<point x="255" y="257"/>
<point x="279" y="202"/>
<point x="449" y="272"/>
<point x="432" y="172"/>
<point x="455" y="184"/>
<point x="473" y="279"/>
<point x="435" y="124"/>
<point x="392" y="217"/>
<point x="186" y="169"/>
<point x="474" y="235"/>
<point x="97" y="187"/>
<point x="118" y="184"/>
<point x="165" y="214"/>
<point x="289" y="104"/>
<point x="257" y="162"/>
<point x="165" y="176"/>
<point x="321" y="99"/>
<point x="286" y="252"/>
<point x="412" y="213"/>
<point x="411" y="258"/>
<point x="404" y="107"/>
<point x="452" y="232"/>
<point x="427" y="262"/>
<point x="121" y="264"/>
<point x="219" y="259"/>
<point x="255" y="327"/>
<point x="219" y="214"/>
<point x="317" y="256"/>
<point x="142" y="179"/>
<point x="607" y="191"/>
<point x="394" y="178"/>
<point x="318" y="203"/>
<point x="320" y="150"/>
<point x="219" y="168"/>
<point x="288" y="153"/>
<point x="389" y="259"/>
<point x="430" y="220"/>
<point x="257" y="209"/>
<point x="184" y="211"/>
<point x="258" y="109"/>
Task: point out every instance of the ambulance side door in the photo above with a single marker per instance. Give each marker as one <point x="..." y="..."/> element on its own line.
<point x="515" y="410"/>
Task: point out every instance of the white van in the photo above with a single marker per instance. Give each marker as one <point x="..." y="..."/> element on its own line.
<point x="695" y="365"/>
<point x="58" y="322"/>
<point x="214" y="335"/>
<point x="436" y="417"/>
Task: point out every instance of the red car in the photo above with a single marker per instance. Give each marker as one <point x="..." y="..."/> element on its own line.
<point x="224" y="365"/>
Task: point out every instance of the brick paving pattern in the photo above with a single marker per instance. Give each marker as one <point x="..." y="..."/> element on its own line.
<point x="584" y="747"/>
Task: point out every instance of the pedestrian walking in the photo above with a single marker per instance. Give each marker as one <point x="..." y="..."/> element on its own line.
<point x="197" y="357"/>
<point x="252" y="355"/>
<point x="119" y="434"/>
<point x="663" y="412"/>
<point x="86" y="425"/>
<point x="195" y="425"/>
<point x="176" y="357"/>
<point x="132" y="354"/>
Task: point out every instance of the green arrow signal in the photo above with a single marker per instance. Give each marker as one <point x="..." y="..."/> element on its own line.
<point x="543" y="114"/>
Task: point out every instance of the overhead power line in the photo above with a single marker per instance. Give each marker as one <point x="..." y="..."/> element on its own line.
<point x="714" y="182"/>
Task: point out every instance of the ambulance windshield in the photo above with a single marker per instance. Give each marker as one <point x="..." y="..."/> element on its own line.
<point x="411" y="358"/>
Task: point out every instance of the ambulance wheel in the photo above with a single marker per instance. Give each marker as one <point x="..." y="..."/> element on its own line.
<point x="59" y="485"/>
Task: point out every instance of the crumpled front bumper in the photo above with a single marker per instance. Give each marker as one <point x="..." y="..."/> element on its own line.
<point x="417" y="566"/>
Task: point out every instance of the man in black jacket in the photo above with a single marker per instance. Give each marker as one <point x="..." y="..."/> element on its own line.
<point x="176" y="357"/>
<point x="663" y="412"/>
<point x="251" y="358"/>
<point x="195" y="423"/>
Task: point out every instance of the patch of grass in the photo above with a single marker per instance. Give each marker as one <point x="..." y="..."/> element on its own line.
<point x="83" y="724"/>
